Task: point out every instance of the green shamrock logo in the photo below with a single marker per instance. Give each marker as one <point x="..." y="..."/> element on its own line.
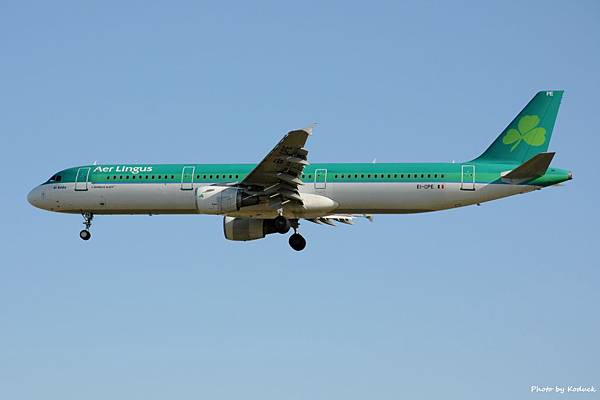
<point x="528" y="131"/>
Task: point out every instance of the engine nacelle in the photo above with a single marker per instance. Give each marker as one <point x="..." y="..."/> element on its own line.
<point x="236" y="228"/>
<point x="221" y="199"/>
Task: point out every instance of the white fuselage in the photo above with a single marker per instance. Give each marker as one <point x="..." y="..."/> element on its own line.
<point x="354" y="197"/>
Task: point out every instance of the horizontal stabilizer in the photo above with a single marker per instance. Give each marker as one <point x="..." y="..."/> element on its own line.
<point x="531" y="169"/>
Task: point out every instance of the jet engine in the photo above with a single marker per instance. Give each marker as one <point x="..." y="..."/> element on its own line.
<point x="237" y="228"/>
<point x="222" y="199"/>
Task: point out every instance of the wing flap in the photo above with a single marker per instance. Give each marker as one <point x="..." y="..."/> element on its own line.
<point x="347" y="219"/>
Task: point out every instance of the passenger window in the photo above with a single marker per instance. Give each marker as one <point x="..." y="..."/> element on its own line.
<point x="127" y="177"/>
<point x="429" y="175"/>
<point x="362" y="175"/>
<point x="238" y="175"/>
<point x="133" y="177"/>
<point x="203" y="176"/>
<point x="210" y="177"/>
<point x="108" y="178"/>
<point x="120" y="176"/>
<point x="435" y="175"/>
<point x="173" y="176"/>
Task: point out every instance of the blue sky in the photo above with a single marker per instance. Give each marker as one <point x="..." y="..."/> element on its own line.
<point x="479" y="302"/>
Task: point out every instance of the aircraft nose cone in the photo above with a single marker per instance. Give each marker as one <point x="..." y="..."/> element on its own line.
<point x="34" y="198"/>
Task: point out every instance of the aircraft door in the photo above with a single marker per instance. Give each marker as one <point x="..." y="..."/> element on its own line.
<point x="81" y="180"/>
<point x="187" y="178"/>
<point x="468" y="177"/>
<point x="320" y="179"/>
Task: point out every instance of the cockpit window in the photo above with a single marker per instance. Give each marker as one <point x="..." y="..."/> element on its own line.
<point x="55" y="178"/>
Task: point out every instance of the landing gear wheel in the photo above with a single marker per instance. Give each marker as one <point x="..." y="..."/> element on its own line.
<point x="297" y="242"/>
<point x="87" y="222"/>
<point x="85" y="234"/>
<point x="282" y="224"/>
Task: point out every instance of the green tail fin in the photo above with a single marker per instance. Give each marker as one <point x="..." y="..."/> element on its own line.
<point x="529" y="133"/>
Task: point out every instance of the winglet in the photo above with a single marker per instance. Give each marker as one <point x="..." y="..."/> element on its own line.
<point x="309" y="128"/>
<point x="531" y="169"/>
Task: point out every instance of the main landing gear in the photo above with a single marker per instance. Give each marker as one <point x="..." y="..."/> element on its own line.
<point x="87" y="221"/>
<point x="283" y="225"/>
<point x="297" y="242"/>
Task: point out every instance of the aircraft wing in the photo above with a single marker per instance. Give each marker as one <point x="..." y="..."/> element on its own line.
<point x="342" y="218"/>
<point x="278" y="174"/>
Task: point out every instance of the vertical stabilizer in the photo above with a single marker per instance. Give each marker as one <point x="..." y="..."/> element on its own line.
<point x="529" y="133"/>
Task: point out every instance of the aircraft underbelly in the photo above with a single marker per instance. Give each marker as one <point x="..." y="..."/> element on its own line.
<point x="414" y="197"/>
<point x="352" y="197"/>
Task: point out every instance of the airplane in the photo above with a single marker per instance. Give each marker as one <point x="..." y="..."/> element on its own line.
<point x="272" y="196"/>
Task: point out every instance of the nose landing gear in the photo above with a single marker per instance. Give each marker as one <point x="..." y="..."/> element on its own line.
<point x="87" y="221"/>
